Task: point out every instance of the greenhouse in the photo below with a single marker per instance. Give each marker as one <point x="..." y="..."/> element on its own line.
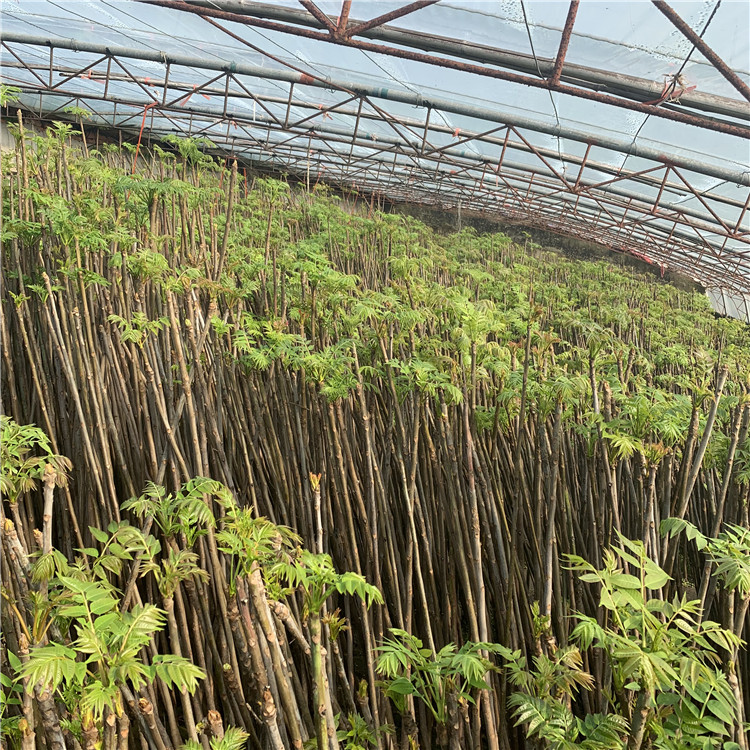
<point x="376" y="374"/>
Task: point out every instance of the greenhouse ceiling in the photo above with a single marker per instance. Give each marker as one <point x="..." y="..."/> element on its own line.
<point x="622" y="123"/>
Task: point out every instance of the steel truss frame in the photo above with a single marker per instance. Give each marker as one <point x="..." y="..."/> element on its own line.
<point x="637" y="211"/>
<point x="631" y="93"/>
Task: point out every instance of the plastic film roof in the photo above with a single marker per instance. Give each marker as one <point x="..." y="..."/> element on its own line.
<point x="623" y="123"/>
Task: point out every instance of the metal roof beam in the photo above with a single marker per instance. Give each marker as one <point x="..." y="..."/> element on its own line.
<point x="485" y="137"/>
<point x="704" y="49"/>
<point x="407" y="150"/>
<point x="319" y="131"/>
<point x="619" y="84"/>
<point x="318" y="14"/>
<point x="738" y="176"/>
<point x="443" y="174"/>
<point x="649" y="107"/>
<point x="564" y="41"/>
<point x="361" y="28"/>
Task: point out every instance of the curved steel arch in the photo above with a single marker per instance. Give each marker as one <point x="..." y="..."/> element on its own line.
<point x="416" y="158"/>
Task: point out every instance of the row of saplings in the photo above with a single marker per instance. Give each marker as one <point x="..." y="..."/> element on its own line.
<point x="74" y="672"/>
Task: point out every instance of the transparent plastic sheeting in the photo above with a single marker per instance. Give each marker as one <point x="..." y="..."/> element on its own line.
<point x="631" y="37"/>
<point x="628" y="37"/>
<point x="640" y="42"/>
<point x="732" y="304"/>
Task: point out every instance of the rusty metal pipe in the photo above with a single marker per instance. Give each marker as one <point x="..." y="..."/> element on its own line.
<point x="564" y="42"/>
<point x="398" y="167"/>
<point x="322" y="18"/>
<point x="343" y="21"/>
<point x="357" y="112"/>
<point x="638" y="89"/>
<point x="681" y="257"/>
<point x="361" y="28"/>
<point x="651" y="109"/>
<point x="734" y="175"/>
<point x="703" y="48"/>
